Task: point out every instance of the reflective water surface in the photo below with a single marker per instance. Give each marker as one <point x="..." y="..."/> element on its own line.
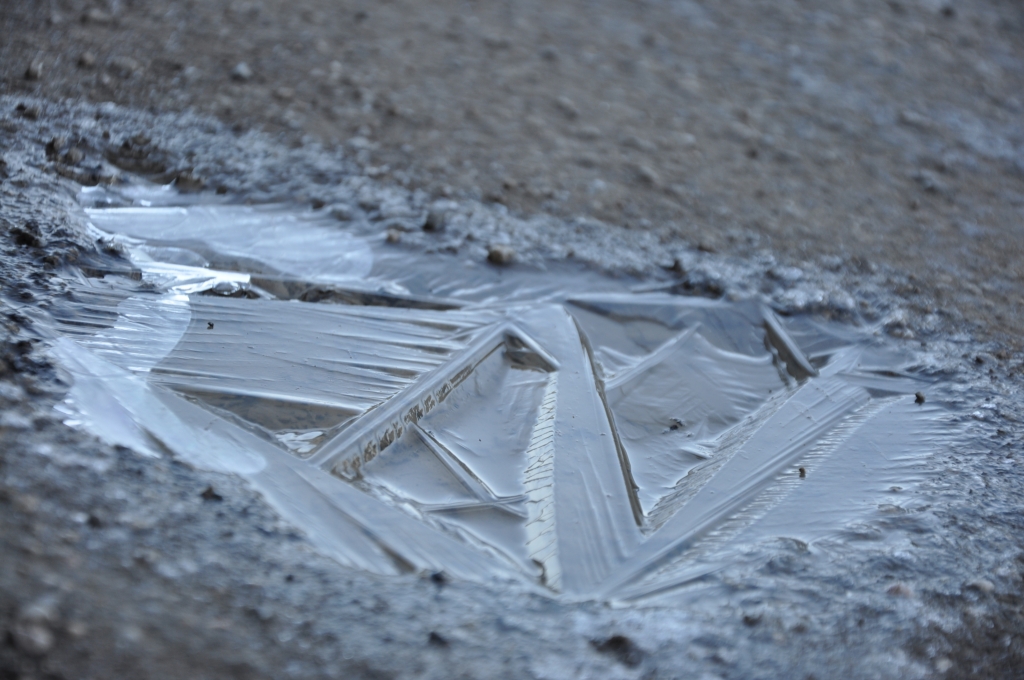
<point x="416" y="412"/>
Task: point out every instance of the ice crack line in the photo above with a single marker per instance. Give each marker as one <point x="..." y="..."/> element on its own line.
<point x="542" y="544"/>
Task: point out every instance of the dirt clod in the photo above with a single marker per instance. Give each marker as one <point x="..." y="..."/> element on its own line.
<point x="30" y="111"/>
<point x="28" y="235"/>
<point x="55" y="146"/>
<point x="34" y="70"/>
<point x="73" y="156"/>
<point x="900" y="590"/>
<point x="622" y="648"/>
<point x="209" y="494"/>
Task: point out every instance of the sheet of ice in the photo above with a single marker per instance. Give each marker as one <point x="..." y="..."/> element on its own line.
<point x="353" y="527"/>
<point x="415" y="413"/>
<point x="147" y="329"/>
<point x="596" y="509"/>
<point x="280" y="240"/>
<point x="790" y="432"/>
<point x="109" y="397"/>
<point x="301" y="367"/>
<point x="670" y="407"/>
<point x="868" y="467"/>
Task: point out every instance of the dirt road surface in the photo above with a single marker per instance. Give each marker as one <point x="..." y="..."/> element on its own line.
<point x="873" y="150"/>
<point x="878" y="132"/>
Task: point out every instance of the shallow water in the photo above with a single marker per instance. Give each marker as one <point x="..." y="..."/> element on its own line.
<point x="431" y="413"/>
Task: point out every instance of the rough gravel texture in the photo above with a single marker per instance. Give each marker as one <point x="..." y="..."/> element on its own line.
<point x="117" y="565"/>
<point x="882" y="132"/>
<point x="890" y="170"/>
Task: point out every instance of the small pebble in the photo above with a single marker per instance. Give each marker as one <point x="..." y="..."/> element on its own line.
<point x="87" y="59"/>
<point x="188" y="181"/>
<point x="32" y="631"/>
<point x="342" y="212"/>
<point x="436" y="220"/>
<point x="914" y="119"/>
<point x="393" y="236"/>
<point x="125" y="67"/>
<point x="900" y="590"/>
<point x="982" y="585"/>
<point x="96" y="16"/>
<point x="500" y="254"/>
<point x="648" y="175"/>
<point x="33" y="638"/>
<point x="74" y="156"/>
<point x="34" y="70"/>
<point x="241" y="72"/>
<point x="567" y="107"/>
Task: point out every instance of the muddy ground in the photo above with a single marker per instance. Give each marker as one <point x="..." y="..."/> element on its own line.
<point x="879" y="147"/>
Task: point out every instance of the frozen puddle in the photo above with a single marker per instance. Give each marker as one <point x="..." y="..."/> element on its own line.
<point x="425" y="413"/>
